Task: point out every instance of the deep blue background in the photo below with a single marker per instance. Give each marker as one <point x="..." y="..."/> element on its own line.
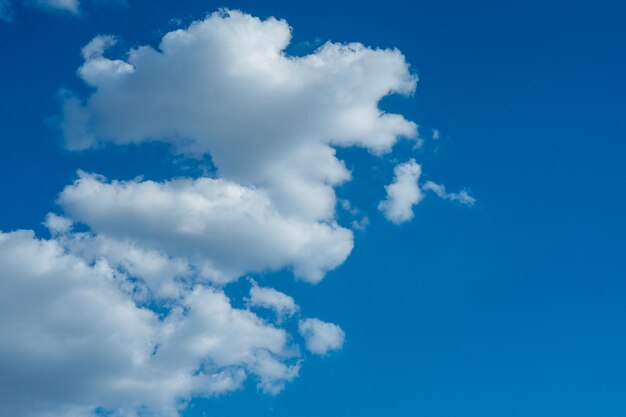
<point x="513" y="308"/>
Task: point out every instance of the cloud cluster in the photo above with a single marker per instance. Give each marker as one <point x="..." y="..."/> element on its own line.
<point x="225" y="86"/>
<point x="126" y="307"/>
<point x="405" y="192"/>
<point x="82" y="341"/>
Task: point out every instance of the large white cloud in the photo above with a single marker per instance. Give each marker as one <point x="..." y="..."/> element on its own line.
<point x="229" y="80"/>
<point x="129" y="314"/>
<point x="72" y="339"/>
<point x="225" y="86"/>
<point x="221" y="228"/>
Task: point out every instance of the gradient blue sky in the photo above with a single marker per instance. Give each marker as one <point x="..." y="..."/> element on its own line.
<point x="514" y="307"/>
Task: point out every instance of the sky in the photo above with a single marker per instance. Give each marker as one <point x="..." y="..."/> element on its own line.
<point x="289" y="209"/>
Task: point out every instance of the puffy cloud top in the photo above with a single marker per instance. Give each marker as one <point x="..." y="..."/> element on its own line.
<point x="225" y="86"/>
<point x="226" y="79"/>
<point x="79" y="324"/>
<point x="269" y="298"/>
<point x="403" y="193"/>
<point x="321" y="337"/>
<point x="221" y="228"/>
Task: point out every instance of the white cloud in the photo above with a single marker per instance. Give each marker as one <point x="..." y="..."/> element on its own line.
<point x="128" y="314"/>
<point x="220" y="69"/>
<point x="223" y="229"/>
<point x="101" y="68"/>
<point x="160" y="276"/>
<point x="361" y="224"/>
<point x="403" y="193"/>
<point x="282" y="304"/>
<point x="436" y="134"/>
<point x="59" y="316"/>
<point x="225" y="86"/>
<point x="462" y="197"/>
<point x="321" y="337"/>
<point x="80" y="341"/>
<point x="57" y="224"/>
<point x="96" y="47"/>
<point x="356" y="224"/>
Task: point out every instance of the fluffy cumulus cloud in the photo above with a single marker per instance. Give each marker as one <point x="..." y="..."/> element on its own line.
<point x="403" y="193"/>
<point x="126" y="307"/>
<point x="462" y="197"/>
<point x="219" y="227"/>
<point x="269" y="298"/>
<point x="81" y="341"/>
<point x="225" y="86"/>
<point x="321" y="337"/>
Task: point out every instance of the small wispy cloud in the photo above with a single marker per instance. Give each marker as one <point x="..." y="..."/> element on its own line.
<point x="269" y="298"/>
<point x="72" y="7"/>
<point x="6" y="11"/>
<point x="462" y="196"/>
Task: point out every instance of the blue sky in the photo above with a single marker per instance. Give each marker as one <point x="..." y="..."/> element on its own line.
<point x="512" y="306"/>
